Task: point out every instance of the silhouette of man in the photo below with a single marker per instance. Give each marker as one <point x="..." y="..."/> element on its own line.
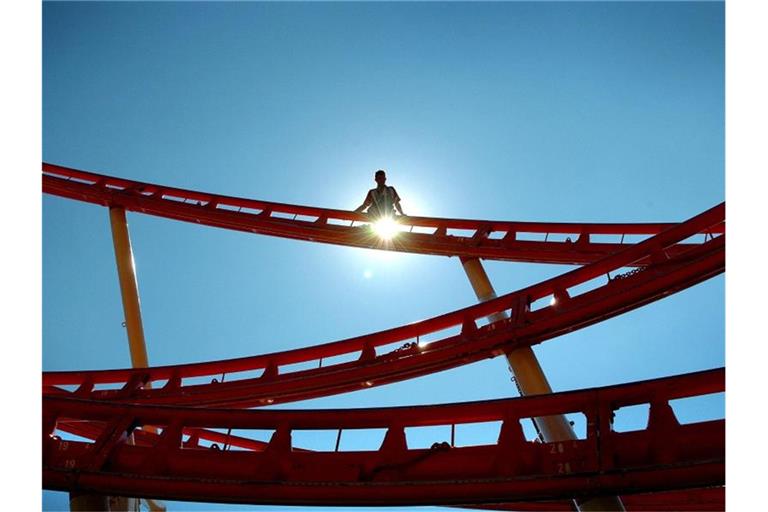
<point x="381" y="201"/>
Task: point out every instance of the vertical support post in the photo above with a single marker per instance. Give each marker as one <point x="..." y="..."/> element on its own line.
<point x="531" y="380"/>
<point x="83" y="502"/>
<point x="129" y="290"/>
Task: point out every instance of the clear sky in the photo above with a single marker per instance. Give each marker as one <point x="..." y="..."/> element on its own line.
<point x="594" y="112"/>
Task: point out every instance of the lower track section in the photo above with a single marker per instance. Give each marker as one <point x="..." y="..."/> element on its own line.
<point x="664" y="456"/>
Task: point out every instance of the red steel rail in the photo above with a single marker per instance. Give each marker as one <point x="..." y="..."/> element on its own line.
<point x="708" y="499"/>
<point x="93" y="429"/>
<point x="527" y="326"/>
<point x="666" y="455"/>
<point x="572" y="243"/>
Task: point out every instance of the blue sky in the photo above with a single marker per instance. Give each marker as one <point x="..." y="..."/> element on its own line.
<point x="595" y="112"/>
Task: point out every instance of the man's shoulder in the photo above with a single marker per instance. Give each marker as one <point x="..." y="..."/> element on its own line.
<point x="376" y="190"/>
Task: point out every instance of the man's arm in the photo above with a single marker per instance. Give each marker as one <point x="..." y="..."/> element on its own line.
<point x="366" y="203"/>
<point x="397" y="202"/>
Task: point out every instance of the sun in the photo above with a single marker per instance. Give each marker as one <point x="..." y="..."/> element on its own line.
<point x="386" y="228"/>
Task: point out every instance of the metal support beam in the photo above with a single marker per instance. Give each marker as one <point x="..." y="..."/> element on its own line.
<point x="531" y="380"/>
<point x="98" y="502"/>
<point x="129" y="290"/>
<point x="87" y="502"/>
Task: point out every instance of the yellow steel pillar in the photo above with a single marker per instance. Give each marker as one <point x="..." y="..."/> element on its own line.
<point x="531" y="380"/>
<point x="129" y="289"/>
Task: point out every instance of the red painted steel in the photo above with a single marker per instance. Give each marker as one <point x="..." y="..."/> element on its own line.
<point x="93" y="429"/>
<point x="427" y="235"/>
<point x="664" y="456"/>
<point x="689" y="500"/>
<point x="670" y="461"/>
<point x="525" y="327"/>
<point x="710" y="499"/>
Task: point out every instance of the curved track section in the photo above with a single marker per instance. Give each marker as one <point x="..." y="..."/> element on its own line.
<point x="710" y="499"/>
<point x="514" y="241"/>
<point x="565" y="307"/>
<point x="662" y="457"/>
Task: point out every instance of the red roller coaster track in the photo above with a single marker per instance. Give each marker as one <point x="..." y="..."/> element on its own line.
<point x="172" y="465"/>
<point x="446" y="237"/>
<point x="663" y="456"/>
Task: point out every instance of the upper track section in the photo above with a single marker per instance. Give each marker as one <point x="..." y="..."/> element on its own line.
<point x="536" y="242"/>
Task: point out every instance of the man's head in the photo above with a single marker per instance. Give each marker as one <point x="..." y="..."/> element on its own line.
<point x="380" y="177"/>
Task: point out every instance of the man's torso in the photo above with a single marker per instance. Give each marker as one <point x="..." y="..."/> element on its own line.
<point x="383" y="201"/>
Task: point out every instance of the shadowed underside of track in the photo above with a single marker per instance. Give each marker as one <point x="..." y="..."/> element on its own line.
<point x="663" y="456"/>
<point x="708" y="499"/>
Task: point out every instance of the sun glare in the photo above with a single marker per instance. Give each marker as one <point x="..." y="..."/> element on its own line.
<point x="385" y="228"/>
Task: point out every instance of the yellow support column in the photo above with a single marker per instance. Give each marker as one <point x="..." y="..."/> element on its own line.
<point x="129" y="287"/>
<point x="129" y="290"/>
<point x="531" y="380"/>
